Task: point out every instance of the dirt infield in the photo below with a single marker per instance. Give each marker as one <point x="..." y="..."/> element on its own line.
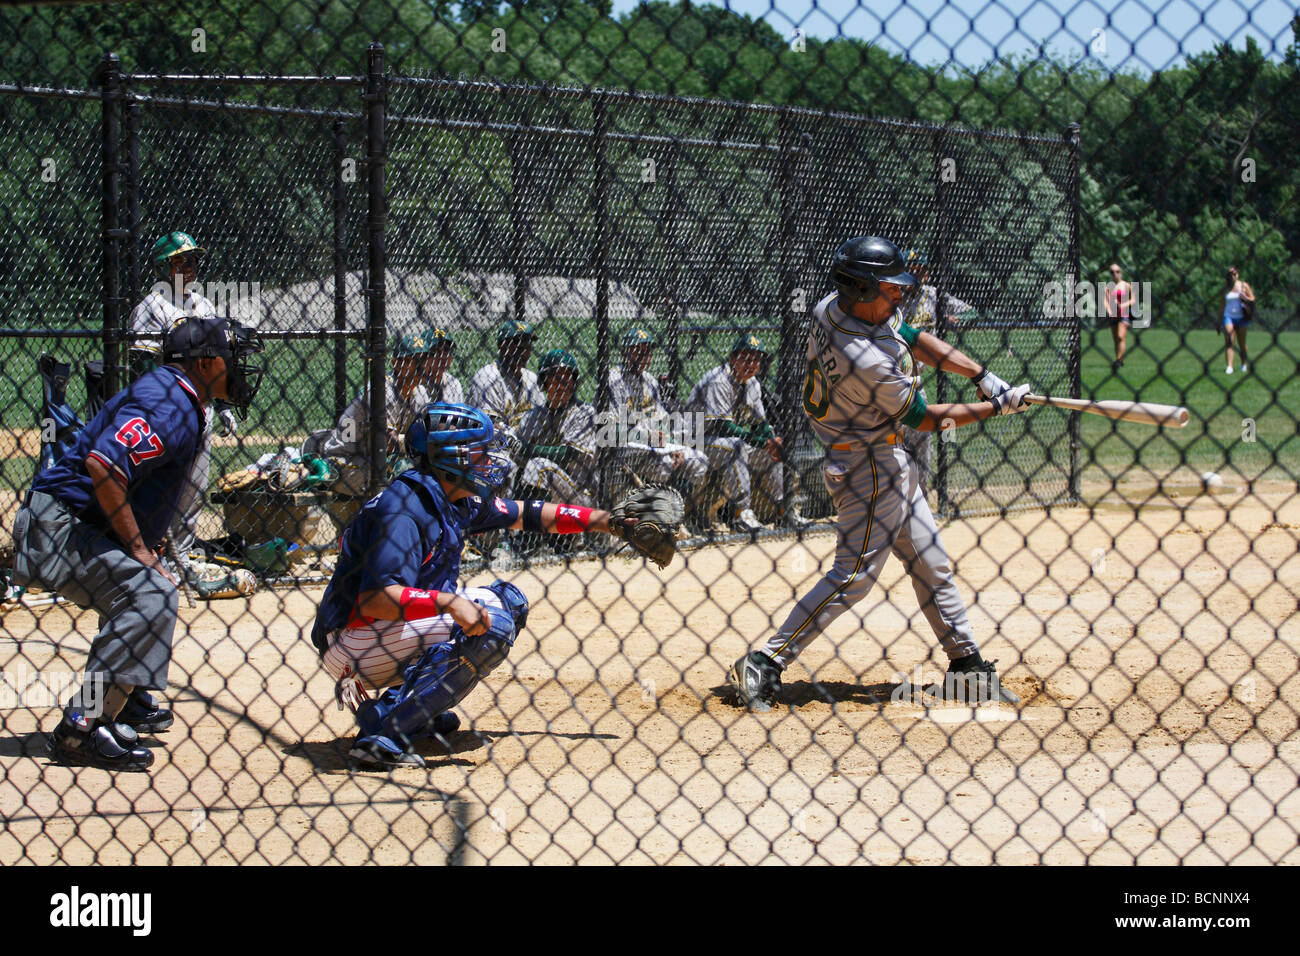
<point x="1157" y="662"/>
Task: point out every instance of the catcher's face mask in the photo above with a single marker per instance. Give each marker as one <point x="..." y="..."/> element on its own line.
<point x="243" y="377"/>
<point x="460" y="442"/>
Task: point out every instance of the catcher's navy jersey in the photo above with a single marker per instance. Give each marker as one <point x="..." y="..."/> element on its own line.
<point x="410" y="535"/>
<point x="147" y="437"/>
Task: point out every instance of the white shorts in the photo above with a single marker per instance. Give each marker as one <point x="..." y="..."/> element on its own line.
<point x="379" y="652"/>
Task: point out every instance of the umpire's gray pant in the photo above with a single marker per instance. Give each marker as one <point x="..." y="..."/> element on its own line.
<point x="136" y="605"/>
<point x="882" y="509"/>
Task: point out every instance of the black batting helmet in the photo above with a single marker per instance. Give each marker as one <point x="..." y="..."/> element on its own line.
<point x="861" y="264"/>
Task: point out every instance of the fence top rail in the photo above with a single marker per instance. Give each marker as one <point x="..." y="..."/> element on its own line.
<point x="19" y="89"/>
<point x="636" y="96"/>
<point x="125" y="336"/>
<point x="441" y="122"/>
<point x="265" y="79"/>
<point x="185" y="102"/>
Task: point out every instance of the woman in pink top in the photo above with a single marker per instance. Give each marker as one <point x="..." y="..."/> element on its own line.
<point x="1119" y="300"/>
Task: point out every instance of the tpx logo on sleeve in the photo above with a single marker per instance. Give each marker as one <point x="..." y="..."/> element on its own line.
<point x="139" y="437"/>
<point x="77" y="909"/>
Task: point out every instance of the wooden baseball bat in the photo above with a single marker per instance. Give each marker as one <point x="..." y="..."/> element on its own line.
<point x="1147" y="413"/>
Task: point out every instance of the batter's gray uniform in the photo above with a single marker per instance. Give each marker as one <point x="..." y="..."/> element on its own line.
<point x="726" y="402"/>
<point x="861" y="381"/>
<point x="567" y="433"/>
<point x="919" y="311"/>
<point x="652" y="451"/>
<point x="154" y="316"/>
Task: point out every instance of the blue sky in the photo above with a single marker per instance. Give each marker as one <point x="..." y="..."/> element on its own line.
<point x="972" y="32"/>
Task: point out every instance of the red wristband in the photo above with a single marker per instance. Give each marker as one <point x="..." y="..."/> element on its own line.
<point x="416" y="604"/>
<point x="571" y="519"/>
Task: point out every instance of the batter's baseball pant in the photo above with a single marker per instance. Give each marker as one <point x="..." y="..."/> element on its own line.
<point x="882" y="510"/>
<point x="136" y="605"/>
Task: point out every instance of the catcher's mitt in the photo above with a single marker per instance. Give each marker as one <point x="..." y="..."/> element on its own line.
<point x="648" y="519"/>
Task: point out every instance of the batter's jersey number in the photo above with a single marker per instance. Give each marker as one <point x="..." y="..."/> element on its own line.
<point x="816" y="390"/>
<point x="139" y="437"/>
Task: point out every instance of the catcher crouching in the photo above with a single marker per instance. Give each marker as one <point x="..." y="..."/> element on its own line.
<point x="395" y="618"/>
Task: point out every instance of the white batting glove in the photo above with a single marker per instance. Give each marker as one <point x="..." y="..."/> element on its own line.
<point x="229" y="424"/>
<point x="990" y="386"/>
<point x="1011" y="401"/>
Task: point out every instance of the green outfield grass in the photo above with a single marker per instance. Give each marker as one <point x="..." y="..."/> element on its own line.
<point x="1162" y="366"/>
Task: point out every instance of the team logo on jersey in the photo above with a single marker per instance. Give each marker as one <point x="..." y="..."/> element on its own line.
<point x="139" y="437"/>
<point x="501" y="506"/>
<point x="906" y="364"/>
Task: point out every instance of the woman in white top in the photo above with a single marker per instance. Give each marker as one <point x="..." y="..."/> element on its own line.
<point x="1237" y="315"/>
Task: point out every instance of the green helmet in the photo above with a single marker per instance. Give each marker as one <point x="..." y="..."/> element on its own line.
<point x="172" y="244"/>
<point x="556" y="359"/>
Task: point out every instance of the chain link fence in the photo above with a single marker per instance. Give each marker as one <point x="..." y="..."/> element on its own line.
<point x="392" y="192"/>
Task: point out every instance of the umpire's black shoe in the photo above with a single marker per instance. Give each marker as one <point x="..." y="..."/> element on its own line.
<point x="973" y="680"/>
<point x="757" y="680"/>
<point x="83" y="742"/>
<point x="143" y="713"/>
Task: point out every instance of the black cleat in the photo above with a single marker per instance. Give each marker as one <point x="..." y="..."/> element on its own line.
<point x="757" y="681"/>
<point x="973" y="680"/>
<point x="143" y="713"/>
<point x="377" y="752"/>
<point x="81" y="742"/>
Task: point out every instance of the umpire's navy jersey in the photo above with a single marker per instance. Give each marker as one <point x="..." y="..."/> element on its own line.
<point x="409" y="534"/>
<point x="146" y="436"/>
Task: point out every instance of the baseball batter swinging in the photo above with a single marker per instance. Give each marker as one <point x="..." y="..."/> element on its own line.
<point x="861" y="383"/>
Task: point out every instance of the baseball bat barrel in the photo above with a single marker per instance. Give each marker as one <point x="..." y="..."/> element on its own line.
<point x="1147" y="413"/>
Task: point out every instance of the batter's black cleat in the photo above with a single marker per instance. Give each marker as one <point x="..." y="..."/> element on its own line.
<point x="973" y="680"/>
<point x="79" y="741"/>
<point x="143" y="713"/>
<point x="757" y="681"/>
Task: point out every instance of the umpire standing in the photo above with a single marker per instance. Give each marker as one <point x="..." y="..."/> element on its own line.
<point x="93" y="522"/>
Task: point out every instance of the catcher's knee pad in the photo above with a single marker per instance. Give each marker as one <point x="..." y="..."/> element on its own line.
<point x="514" y="601"/>
<point x="438" y="680"/>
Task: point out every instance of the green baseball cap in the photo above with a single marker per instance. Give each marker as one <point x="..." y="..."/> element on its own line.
<point x="556" y="359"/>
<point x="748" y="342"/>
<point x="438" y="337"/>
<point x="513" y="329"/>
<point x="638" y="335"/>
<point x="416" y="343"/>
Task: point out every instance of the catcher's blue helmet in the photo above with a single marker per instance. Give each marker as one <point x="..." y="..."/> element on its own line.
<point x="460" y="443"/>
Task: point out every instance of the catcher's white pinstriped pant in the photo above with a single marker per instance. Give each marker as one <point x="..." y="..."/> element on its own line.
<point x="379" y="652"/>
<point x="882" y="509"/>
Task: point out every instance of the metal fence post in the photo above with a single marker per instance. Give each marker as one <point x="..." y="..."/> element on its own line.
<point x="340" y="270"/>
<point x="376" y="102"/>
<point x="788" y="351"/>
<point x="1075" y="359"/>
<point x="600" y="269"/>
<point x="518" y="226"/>
<point x="134" y="277"/>
<point x="110" y="85"/>
<point x="943" y="503"/>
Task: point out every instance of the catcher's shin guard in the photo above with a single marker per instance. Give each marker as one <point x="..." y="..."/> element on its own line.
<point x="439" y="680"/>
<point x="757" y="681"/>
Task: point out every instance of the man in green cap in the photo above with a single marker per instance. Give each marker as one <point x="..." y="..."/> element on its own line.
<point x="741" y="445"/>
<point x="558" y="438"/>
<point x="406" y="397"/>
<point x="652" y="448"/>
<point x="174" y="296"/>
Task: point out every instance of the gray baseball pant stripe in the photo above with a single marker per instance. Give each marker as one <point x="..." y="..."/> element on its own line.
<point x="882" y="509"/>
<point x="136" y="605"/>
